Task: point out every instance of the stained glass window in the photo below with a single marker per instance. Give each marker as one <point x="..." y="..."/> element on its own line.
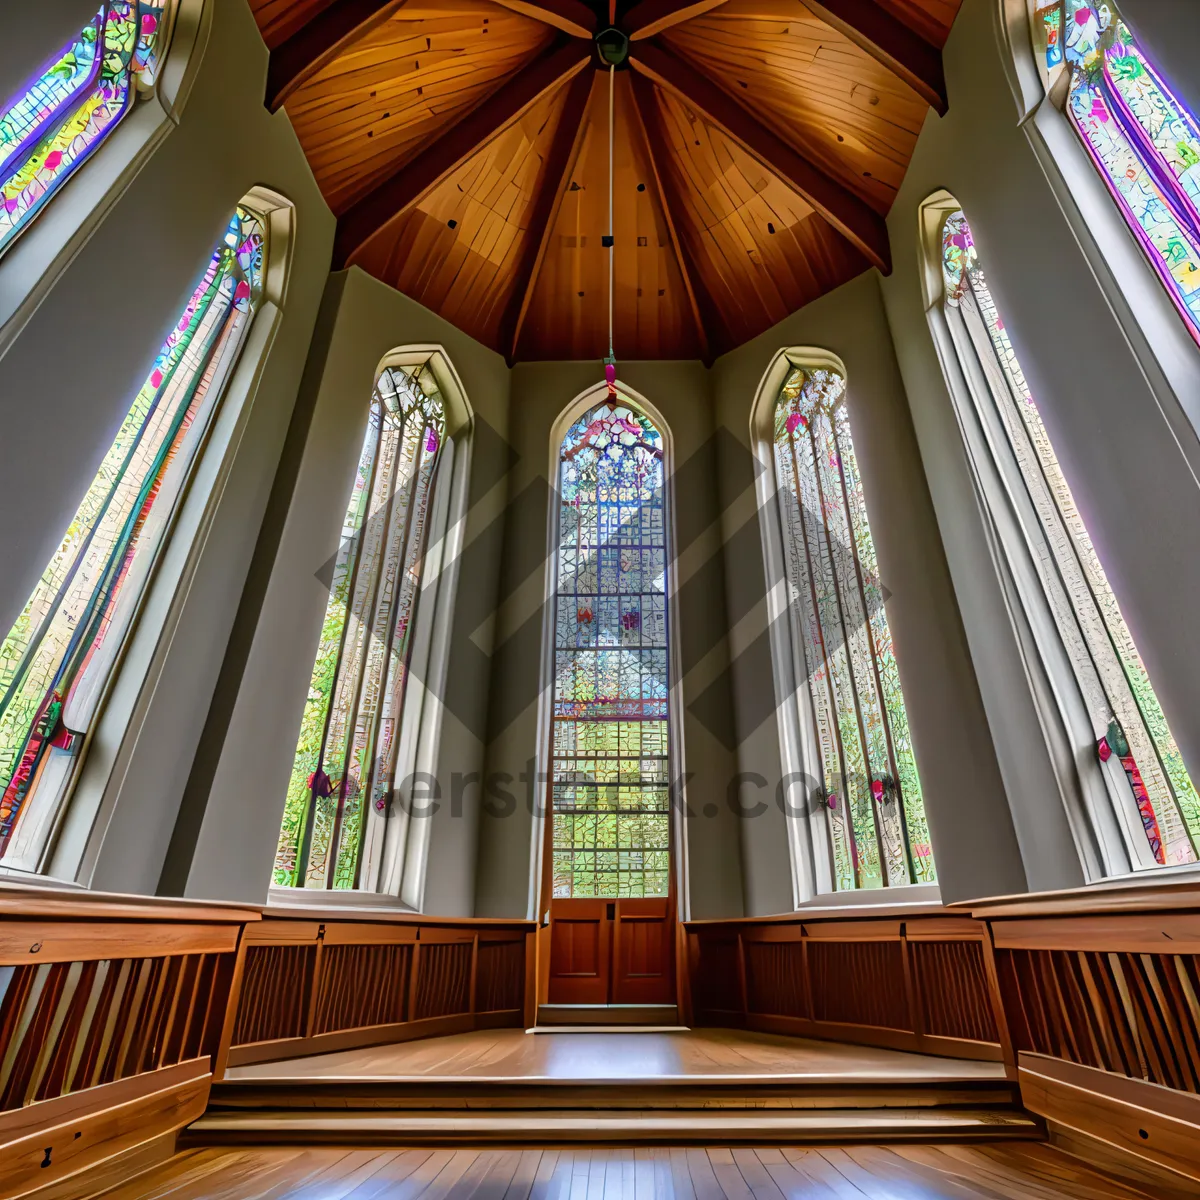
<point x="870" y="788"/>
<point x="1142" y="138"/>
<point x="57" y="660"/>
<point x="344" y="770"/>
<point x="50" y="129"/>
<point x="610" y="739"/>
<point x="1153" y="787"/>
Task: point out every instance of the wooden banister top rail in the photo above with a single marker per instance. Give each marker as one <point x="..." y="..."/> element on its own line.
<point x="34" y="900"/>
<point x="327" y="913"/>
<point x="843" y="912"/>
<point x="1111" y="898"/>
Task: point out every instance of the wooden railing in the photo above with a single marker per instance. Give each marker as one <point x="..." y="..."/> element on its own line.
<point x="308" y="982"/>
<point x="917" y="978"/>
<point x="1100" y="990"/>
<point x="111" y="1012"/>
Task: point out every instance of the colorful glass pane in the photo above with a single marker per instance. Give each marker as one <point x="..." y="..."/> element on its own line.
<point x="345" y="764"/>
<point x="56" y="660"/>
<point x="610" y="739"/>
<point x="1141" y="136"/>
<point x="1111" y="675"/>
<point x="869" y="781"/>
<point x="48" y="130"/>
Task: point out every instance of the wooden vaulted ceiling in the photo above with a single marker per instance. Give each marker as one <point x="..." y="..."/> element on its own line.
<point x="463" y="145"/>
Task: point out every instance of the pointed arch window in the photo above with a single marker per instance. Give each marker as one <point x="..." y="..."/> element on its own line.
<point x="1146" y="781"/>
<point x="610" y="740"/>
<point x="59" y="659"/>
<point x="52" y="127"/>
<point x="869" y="790"/>
<point x="1142" y="139"/>
<point x="344" y="770"/>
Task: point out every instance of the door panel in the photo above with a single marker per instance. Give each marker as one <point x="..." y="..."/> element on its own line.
<point x="644" y="952"/>
<point x="580" y="951"/>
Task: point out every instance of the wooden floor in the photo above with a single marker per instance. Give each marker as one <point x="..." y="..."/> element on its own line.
<point x="1014" y="1171"/>
<point x="511" y="1055"/>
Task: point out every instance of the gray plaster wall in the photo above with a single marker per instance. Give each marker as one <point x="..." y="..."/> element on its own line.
<point x="225" y="841"/>
<point x="540" y="393"/>
<point x="972" y="833"/>
<point x="67" y="379"/>
<point x="1123" y="442"/>
<point x="33" y="34"/>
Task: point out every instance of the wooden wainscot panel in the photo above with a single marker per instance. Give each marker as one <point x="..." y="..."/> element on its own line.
<point x="1149" y="1122"/>
<point x="852" y="931"/>
<point x="444" y="937"/>
<point x="281" y="933"/>
<point x="64" y="1139"/>
<point x="1130" y="933"/>
<point x="791" y="931"/>
<point x="86" y="941"/>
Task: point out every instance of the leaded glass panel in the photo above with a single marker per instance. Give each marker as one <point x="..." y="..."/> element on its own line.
<point x="610" y="738"/>
<point x="57" y="659"/>
<point x="74" y="103"/>
<point x="1127" y="719"/>
<point x="869" y="784"/>
<point x="344" y="770"/>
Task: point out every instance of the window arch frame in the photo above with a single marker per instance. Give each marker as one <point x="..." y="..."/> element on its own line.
<point x="73" y="843"/>
<point x="542" y="824"/>
<point x="31" y="264"/>
<point x="810" y="840"/>
<point x="1109" y="841"/>
<point x="399" y="871"/>
<point x="1166" y="350"/>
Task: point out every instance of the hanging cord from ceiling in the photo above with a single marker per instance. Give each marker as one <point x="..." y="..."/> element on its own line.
<point x="610" y="363"/>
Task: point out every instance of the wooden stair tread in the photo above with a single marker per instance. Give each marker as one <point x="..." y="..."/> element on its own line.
<point x="565" y="1125"/>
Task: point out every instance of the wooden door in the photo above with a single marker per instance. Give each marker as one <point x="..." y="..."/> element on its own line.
<point x="643" y="951"/>
<point x="612" y="951"/>
<point x="580" y="951"/>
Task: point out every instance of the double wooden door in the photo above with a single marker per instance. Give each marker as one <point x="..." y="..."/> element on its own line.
<point x="612" y="951"/>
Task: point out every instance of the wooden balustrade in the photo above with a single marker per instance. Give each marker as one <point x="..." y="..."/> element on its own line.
<point x="309" y="981"/>
<point x="111" y="1013"/>
<point x="910" y="979"/>
<point x="1100" y="990"/>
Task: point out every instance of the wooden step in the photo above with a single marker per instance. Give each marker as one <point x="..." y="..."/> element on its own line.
<point x="565" y="1126"/>
<point x="652" y="1016"/>
<point x="442" y="1094"/>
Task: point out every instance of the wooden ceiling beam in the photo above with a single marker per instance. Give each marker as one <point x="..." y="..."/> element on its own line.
<point x="571" y="16"/>
<point x="889" y="41"/>
<point x="649" y="17"/>
<point x="417" y="178"/>
<point x="646" y="109"/>
<point x="556" y="178"/>
<point x="296" y="61"/>
<point x="849" y="214"/>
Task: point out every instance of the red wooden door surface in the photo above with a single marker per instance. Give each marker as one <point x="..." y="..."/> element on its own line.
<point x="612" y="951"/>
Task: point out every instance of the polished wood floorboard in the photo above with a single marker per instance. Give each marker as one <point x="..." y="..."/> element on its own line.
<point x="688" y="1057"/>
<point x="1014" y="1171"/>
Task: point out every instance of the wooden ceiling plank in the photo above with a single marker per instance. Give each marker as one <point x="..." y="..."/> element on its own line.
<point x="319" y="42"/>
<point x="853" y="218"/>
<point x="890" y="42"/>
<point x="560" y="162"/>
<point x="417" y="178"/>
<point x="571" y="16"/>
<point x="649" y="17"/>
<point x="646" y="108"/>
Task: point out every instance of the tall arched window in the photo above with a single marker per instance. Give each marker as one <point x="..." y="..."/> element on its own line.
<point x="345" y="765"/>
<point x="869" y="787"/>
<point x="1146" y="780"/>
<point x="610" y="741"/>
<point x="74" y="103"/>
<point x="1142" y="139"/>
<point x="58" y="660"/>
